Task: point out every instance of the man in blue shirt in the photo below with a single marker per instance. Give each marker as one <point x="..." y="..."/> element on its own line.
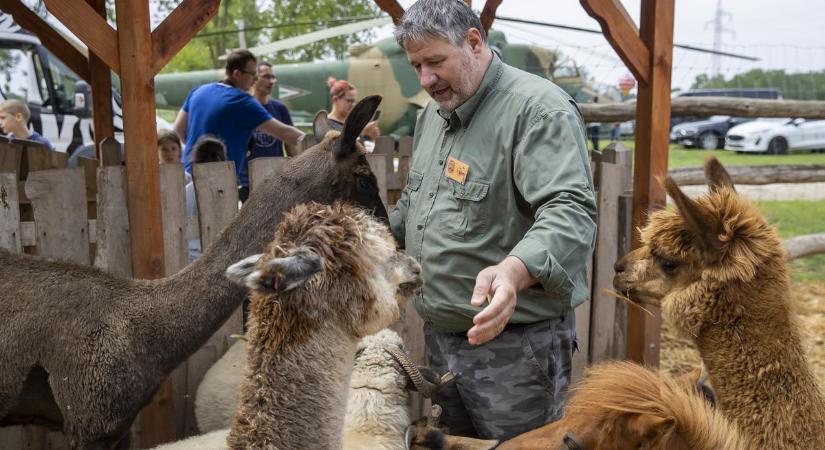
<point x="14" y="120"/>
<point x="262" y="144"/>
<point x="225" y="109"/>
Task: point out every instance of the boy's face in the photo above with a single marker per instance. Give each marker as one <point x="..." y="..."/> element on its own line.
<point x="168" y="152"/>
<point x="11" y="122"/>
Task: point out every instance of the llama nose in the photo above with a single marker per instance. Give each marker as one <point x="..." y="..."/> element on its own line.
<point x="619" y="266"/>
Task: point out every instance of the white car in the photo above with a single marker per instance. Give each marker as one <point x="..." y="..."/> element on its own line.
<point x="776" y="136"/>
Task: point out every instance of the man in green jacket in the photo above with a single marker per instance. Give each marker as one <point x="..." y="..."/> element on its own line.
<point x="499" y="210"/>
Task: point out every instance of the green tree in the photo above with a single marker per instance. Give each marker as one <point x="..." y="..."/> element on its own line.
<point x="267" y="21"/>
<point x="796" y="86"/>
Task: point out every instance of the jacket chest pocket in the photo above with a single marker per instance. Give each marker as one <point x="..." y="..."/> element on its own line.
<point x="413" y="183"/>
<point x="466" y="209"/>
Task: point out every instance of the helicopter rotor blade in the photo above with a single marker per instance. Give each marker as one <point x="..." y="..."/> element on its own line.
<point x="308" y="38"/>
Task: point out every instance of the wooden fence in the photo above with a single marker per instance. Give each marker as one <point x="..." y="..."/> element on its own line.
<point x="43" y="211"/>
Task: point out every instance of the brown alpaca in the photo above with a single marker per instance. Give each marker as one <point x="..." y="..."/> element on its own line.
<point x="331" y="276"/>
<point x="622" y="405"/>
<point x="719" y="270"/>
<point x="84" y="351"/>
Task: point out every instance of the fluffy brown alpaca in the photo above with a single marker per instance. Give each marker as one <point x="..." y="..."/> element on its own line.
<point x="331" y="276"/>
<point x="622" y="405"/>
<point x="719" y="270"/>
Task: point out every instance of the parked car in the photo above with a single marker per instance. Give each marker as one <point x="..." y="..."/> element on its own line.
<point x="706" y="134"/>
<point x="776" y="136"/>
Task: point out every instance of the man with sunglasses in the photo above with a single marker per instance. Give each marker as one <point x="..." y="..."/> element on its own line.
<point x="226" y="110"/>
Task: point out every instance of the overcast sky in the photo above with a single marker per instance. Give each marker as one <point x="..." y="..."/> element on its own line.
<point x="784" y="34"/>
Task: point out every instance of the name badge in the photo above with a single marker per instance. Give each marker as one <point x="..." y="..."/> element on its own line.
<point x="456" y="170"/>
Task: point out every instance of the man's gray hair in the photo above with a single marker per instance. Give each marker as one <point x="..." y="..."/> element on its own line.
<point x="446" y="19"/>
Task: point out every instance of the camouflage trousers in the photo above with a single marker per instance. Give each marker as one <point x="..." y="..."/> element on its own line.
<point x="510" y="385"/>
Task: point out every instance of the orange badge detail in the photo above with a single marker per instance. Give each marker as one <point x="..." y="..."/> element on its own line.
<point x="456" y="170"/>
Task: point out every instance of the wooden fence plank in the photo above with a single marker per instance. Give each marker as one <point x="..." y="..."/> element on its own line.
<point x="217" y="194"/>
<point x="10" y="238"/>
<point x="58" y="199"/>
<point x="603" y="307"/>
<point x="378" y="164"/>
<point x="261" y="169"/>
<point x="114" y="252"/>
<point x="173" y="213"/>
<point x="11" y="155"/>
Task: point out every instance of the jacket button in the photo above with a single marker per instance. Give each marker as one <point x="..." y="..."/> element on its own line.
<point x="420" y="227"/>
<point x="432" y="195"/>
<point x="440" y="162"/>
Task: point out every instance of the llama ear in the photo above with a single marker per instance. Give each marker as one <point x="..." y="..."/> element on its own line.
<point x="240" y="270"/>
<point x="716" y="176"/>
<point x="277" y="274"/>
<point x="357" y="119"/>
<point x="320" y="126"/>
<point x="696" y="220"/>
<point x="645" y="427"/>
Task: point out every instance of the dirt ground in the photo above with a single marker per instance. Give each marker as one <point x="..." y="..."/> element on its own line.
<point x="678" y="356"/>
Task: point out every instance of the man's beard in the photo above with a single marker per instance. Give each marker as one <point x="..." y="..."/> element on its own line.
<point x="463" y="88"/>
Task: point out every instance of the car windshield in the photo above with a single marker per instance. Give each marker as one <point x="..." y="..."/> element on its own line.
<point x="719" y="118"/>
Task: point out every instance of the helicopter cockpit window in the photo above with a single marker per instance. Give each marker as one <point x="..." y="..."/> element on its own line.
<point x="565" y="72"/>
<point x="16" y="71"/>
<point x="64" y="83"/>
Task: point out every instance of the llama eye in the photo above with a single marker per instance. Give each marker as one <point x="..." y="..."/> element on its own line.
<point x="362" y="184"/>
<point x="668" y="265"/>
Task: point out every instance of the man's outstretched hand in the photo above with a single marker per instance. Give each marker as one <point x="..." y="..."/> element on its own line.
<point x="499" y="283"/>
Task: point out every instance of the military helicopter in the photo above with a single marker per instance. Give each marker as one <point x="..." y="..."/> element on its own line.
<point x="381" y="68"/>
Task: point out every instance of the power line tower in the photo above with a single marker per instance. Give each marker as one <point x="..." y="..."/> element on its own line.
<point x="718" y="30"/>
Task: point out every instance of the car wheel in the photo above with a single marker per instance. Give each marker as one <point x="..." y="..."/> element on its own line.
<point x="778" y="146"/>
<point x="708" y="141"/>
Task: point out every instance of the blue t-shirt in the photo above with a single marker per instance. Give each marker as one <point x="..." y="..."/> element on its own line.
<point x="36" y="137"/>
<point x="263" y="144"/>
<point x="226" y="112"/>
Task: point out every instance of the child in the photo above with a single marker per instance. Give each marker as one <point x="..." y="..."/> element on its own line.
<point x="207" y="148"/>
<point x="169" y="147"/>
<point x="14" y="119"/>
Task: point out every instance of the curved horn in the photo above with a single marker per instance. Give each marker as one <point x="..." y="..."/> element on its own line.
<point x="423" y="386"/>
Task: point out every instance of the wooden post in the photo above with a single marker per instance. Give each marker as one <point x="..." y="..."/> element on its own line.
<point x="652" y="140"/>
<point x="101" y="83"/>
<point x="143" y="181"/>
<point x="648" y="53"/>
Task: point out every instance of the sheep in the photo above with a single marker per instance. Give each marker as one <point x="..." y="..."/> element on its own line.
<point x="378" y="413"/>
<point x="83" y="351"/>
<point x="377" y="404"/>
<point x="620" y="405"/>
<point x="719" y="270"/>
<point x="330" y="277"/>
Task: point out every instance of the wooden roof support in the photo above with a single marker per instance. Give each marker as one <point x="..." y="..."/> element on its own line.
<point x="620" y="30"/>
<point x="92" y="29"/>
<point x="488" y="14"/>
<point x="172" y="34"/>
<point x="649" y="55"/>
<point x="101" y="83"/>
<point x="392" y="8"/>
<point x="50" y="38"/>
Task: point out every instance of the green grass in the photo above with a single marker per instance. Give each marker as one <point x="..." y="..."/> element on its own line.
<point x="167" y="114"/>
<point x="682" y="157"/>
<point x="794" y="218"/>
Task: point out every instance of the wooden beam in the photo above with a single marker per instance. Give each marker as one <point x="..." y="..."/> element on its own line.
<point x="92" y="29"/>
<point x="101" y="82"/>
<point x="50" y="38"/>
<point x="177" y="29"/>
<point x="488" y="14"/>
<point x="620" y="30"/>
<point x="709" y="106"/>
<point x="392" y="8"/>
<point x="652" y="139"/>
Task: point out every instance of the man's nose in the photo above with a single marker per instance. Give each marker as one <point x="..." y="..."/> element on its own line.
<point x="427" y="79"/>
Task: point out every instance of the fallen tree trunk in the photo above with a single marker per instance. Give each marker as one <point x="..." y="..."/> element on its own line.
<point x="769" y="174"/>
<point x="709" y="106"/>
<point x="805" y="245"/>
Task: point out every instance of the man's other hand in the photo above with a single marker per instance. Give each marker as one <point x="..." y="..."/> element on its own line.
<point x="500" y="283"/>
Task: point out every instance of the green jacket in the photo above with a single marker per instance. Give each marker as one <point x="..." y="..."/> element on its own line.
<point x="528" y="192"/>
